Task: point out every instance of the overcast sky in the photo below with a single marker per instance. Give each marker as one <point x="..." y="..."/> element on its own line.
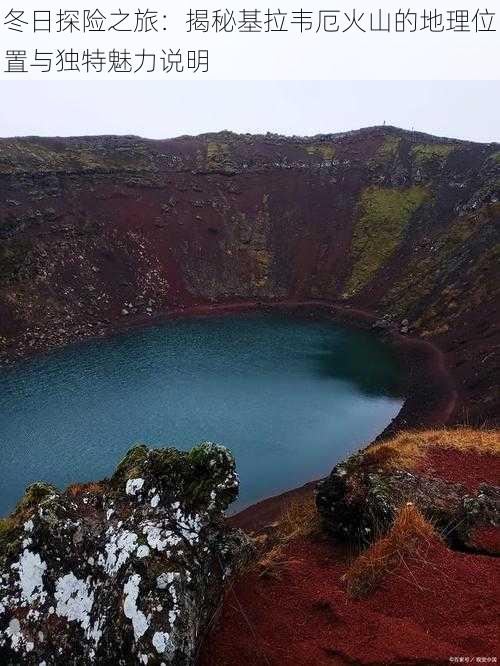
<point x="461" y="109"/>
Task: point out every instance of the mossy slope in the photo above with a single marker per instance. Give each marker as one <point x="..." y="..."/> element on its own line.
<point x="384" y="214"/>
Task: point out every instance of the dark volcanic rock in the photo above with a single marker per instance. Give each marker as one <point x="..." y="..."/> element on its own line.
<point x="126" y="571"/>
<point x="358" y="502"/>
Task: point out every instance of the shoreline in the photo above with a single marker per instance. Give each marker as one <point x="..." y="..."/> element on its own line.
<point x="430" y="394"/>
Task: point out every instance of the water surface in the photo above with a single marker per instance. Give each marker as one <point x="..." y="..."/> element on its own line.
<point x="289" y="397"/>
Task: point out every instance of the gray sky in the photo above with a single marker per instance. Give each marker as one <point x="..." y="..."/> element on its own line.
<point x="460" y="109"/>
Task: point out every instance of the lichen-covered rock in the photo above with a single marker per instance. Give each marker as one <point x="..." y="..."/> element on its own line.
<point x="359" y="501"/>
<point x="126" y="571"/>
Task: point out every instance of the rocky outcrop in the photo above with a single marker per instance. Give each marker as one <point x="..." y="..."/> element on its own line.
<point x="358" y="505"/>
<point x="98" y="233"/>
<point x="360" y="498"/>
<point x="126" y="571"/>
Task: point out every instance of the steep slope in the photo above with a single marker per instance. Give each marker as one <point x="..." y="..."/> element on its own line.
<point x="407" y="573"/>
<point x="97" y="233"/>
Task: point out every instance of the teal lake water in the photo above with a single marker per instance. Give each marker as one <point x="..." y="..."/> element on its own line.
<point x="290" y="398"/>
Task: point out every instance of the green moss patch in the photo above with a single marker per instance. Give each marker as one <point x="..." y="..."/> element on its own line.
<point x="22" y="154"/>
<point x="384" y="215"/>
<point x="431" y="152"/>
<point x="203" y="475"/>
<point x="425" y="273"/>
<point x="11" y="526"/>
<point x="217" y="152"/>
<point x="389" y="149"/>
<point x="323" y="150"/>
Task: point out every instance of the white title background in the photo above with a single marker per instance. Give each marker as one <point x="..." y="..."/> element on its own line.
<point x="311" y="55"/>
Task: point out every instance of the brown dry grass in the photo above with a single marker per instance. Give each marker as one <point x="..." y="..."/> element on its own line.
<point x="409" y="538"/>
<point x="407" y="449"/>
<point x="299" y="518"/>
<point x="76" y="489"/>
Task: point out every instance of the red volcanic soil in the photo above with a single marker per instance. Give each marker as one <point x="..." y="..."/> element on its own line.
<point x="258" y="517"/>
<point x="451" y="465"/>
<point x="486" y="539"/>
<point x="424" y="612"/>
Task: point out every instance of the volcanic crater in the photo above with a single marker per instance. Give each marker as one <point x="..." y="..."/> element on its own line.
<point x="392" y="231"/>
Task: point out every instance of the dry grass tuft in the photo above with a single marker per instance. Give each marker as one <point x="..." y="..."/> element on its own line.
<point x="298" y="519"/>
<point x="407" y="449"/>
<point x="77" y="489"/>
<point x="409" y="538"/>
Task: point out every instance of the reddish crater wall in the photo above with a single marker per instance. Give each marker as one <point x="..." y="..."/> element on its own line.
<point x="100" y="233"/>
